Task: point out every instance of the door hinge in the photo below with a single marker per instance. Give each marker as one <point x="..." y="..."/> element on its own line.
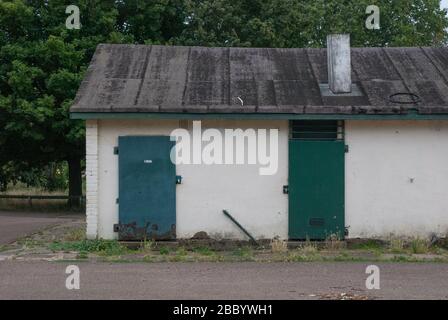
<point x="116" y="227"/>
<point x="346" y="148"/>
<point x="116" y="201"/>
<point x="115" y="150"/>
<point x="285" y="189"/>
<point x="178" y="179"/>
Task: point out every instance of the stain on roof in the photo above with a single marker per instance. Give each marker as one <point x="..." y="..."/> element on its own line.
<point x="139" y="78"/>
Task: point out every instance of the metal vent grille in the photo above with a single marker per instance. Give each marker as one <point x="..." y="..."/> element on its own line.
<point x="317" y="222"/>
<point x="317" y="130"/>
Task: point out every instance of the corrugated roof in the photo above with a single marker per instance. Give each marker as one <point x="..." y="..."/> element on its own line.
<point x="173" y="79"/>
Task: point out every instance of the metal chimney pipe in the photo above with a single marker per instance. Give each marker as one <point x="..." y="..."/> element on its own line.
<point x="339" y="63"/>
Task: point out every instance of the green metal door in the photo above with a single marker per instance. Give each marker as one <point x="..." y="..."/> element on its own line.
<point x="316" y="189"/>
<point x="147" y="188"/>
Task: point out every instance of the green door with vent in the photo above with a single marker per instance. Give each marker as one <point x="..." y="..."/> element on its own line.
<point x="316" y="188"/>
<point x="147" y="188"/>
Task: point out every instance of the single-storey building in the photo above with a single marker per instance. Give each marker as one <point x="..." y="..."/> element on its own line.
<point x="358" y="144"/>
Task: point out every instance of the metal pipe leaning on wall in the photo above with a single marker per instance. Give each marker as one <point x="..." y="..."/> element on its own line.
<point x="252" y="239"/>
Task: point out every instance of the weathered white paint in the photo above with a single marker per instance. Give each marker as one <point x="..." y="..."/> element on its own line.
<point x="256" y="201"/>
<point x="397" y="178"/>
<point x="92" y="178"/>
<point x="396" y="181"/>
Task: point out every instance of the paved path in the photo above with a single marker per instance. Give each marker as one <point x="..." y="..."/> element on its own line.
<point x="14" y="225"/>
<point x="46" y="280"/>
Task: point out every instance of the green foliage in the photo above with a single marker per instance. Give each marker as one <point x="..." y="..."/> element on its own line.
<point x="305" y="23"/>
<point x="104" y="247"/>
<point x="244" y="253"/>
<point x="205" y="251"/>
<point x="77" y="234"/>
<point x="370" y="244"/>
<point x="51" y="177"/>
<point x="418" y="245"/>
<point x="164" y="250"/>
<point x="147" y="245"/>
<point x="181" y="252"/>
<point x="396" y="245"/>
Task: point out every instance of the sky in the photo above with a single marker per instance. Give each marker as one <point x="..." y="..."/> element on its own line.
<point x="444" y="3"/>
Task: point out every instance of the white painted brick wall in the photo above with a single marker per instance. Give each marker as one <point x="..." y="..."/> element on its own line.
<point x="92" y="178"/>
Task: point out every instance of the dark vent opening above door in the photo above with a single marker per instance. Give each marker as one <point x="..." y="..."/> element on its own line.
<point x="317" y="130"/>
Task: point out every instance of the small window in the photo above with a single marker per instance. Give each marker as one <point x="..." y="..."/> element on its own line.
<point x="316" y="130"/>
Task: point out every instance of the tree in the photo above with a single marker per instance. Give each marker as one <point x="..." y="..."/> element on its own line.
<point x="305" y="23"/>
<point x="155" y="21"/>
<point x="41" y="66"/>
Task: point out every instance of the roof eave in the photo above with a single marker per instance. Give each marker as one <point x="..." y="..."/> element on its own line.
<point x="256" y="116"/>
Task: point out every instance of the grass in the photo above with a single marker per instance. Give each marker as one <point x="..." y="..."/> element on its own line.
<point x="164" y="250"/>
<point x="181" y="252"/>
<point x="73" y="242"/>
<point x="295" y="257"/>
<point x="147" y="245"/>
<point x="82" y="255"/>
<point x="246" y="253"/>
<point x="178" y="257"/>
<point x="404" y="258"/>
<point x="38" y="205"/>
<point x="148" y="258"/>
<point x="101" y="247"/>
<point x="309" y="248"/>
<point x="28" y="243"/>
<point x="112" y="251"/>
<point x="396" y="245"/>
<point x="77" y="234"/>
<point x="369" y="245"/>
<point x="419" y="246"/>
<point x="204" y="251"/>
<point x="344" y="257"/>
<point x="22" y="189"/>
<point x="279" y="246"/>
<point x="333" y="242"/>
<point x="305" y="253"/>
<point x="443" y="243"/>
<point x="413" y="245"/>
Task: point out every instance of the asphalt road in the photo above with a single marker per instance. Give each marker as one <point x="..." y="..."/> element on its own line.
<point x="14" y="225"/>
<point x="46" y="280"/>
